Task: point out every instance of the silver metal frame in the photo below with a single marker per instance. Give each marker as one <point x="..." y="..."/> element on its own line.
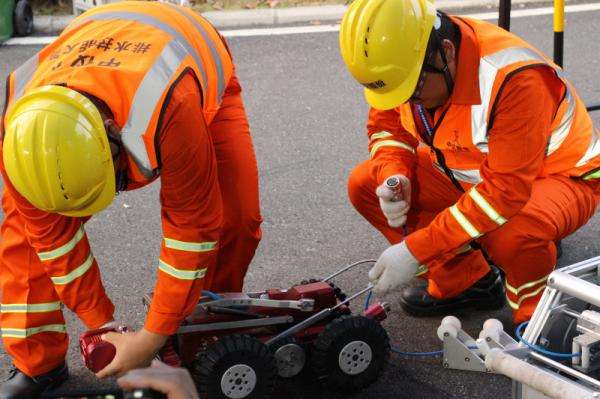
<point x="572" y="283"/>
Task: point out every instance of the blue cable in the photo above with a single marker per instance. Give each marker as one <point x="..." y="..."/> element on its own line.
<point x="211" y="295"/>
<point x="417" y="354"/>
<point x="399" y="352"/>
<point x="518" y="334"/>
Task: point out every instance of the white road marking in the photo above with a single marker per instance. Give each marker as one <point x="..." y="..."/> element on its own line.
<point x="295" y="30"/>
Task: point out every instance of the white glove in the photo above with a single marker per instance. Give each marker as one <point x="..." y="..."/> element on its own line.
<point x="395" y="203"/>
<point x="395" y="266"/>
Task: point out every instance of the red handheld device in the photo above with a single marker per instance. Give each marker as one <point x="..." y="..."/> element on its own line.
<point x="96" y="352"/>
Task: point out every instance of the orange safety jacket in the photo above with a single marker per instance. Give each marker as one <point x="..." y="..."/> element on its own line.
<point x="132" y="55"/>
<point x="459" y="140"/>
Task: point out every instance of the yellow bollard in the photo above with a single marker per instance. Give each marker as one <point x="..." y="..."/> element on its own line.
<point x="559" y="29"/>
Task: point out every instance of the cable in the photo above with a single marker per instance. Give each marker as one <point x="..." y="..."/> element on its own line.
<point x="518" y="333"/>
<point x="211" y="295"/>
<point x="368" y="299"/>
<point x="417" y="354"/>
<point x="398" y="351"/>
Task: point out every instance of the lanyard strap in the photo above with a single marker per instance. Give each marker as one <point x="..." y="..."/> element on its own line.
<point x="424" y="120"/>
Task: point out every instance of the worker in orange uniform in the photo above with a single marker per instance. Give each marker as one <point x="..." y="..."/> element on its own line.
<point x="483" y="144"/>
<point x="129" y="92"/>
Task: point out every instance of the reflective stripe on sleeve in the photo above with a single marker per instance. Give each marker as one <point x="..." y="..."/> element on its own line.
<point x="464" y="222"/>
<point x="78" y="272"/>
<point x="421" y="270"/>
<point x="486" y="207"/>
<point x="390" y="143"/>
<point x="380" y="135"/>
<point x="29" y="307"/>
<point x="26" y="332"/>
<point x="181" y="274"/>
<point x="63" y="250"/>
<point x="190" y="246"/>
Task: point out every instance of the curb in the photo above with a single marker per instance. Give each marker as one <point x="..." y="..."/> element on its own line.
<point x="50" y="24"/>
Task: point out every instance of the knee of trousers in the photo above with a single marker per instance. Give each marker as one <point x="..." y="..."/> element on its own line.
<point x="511" y="246"/>
<point x="244" y="225"/>
<point x="361" y="186"/>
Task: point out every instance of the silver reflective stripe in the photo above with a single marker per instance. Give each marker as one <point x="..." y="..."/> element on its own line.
<point x="148" y="20"/>
<point x="146" y="100"/>
<point x="78" y="272"/>
<point x="526" y="285"/>
<point x="212" y="48"/>
<point x="390" y="143"/>
<point x="68" y="247"/>
<point x="26" y="332"/>
<point x="592" y="151"/>
<point x="29" y="307"/>
<point x="471" y="176"/>
<point x="23" y="75"/>
<point x="179" y="273"/>
<point x="562" y="131"/>
<point x="488" y="68"/>
<point x="380" y="135"/>
<point x="486" y="207"/>
<point x="479" y="112"/>
<point x="190" y="246"/>
<point x="464" y="222"/>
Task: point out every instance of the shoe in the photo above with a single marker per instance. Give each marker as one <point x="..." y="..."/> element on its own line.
<point x="486" y="294"/>
<point x="21" y="386"/>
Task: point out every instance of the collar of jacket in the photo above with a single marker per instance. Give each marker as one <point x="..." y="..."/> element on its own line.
<point x="466" y="81"/>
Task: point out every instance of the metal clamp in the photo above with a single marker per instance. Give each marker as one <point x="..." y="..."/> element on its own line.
<point x="304" y="305"/>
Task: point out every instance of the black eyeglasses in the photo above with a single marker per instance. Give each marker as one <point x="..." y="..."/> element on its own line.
<point x="427" y="68"/>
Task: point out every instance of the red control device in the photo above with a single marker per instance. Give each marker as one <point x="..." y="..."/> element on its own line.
<point x="96" y="352"/>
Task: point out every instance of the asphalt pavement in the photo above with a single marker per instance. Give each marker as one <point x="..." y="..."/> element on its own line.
<point x="307" y="117"/>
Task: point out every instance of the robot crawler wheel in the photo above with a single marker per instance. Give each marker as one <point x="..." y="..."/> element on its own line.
<point x="290" y="357"/>
<point x="235" y="367"/>
<point x="350" y="353"/>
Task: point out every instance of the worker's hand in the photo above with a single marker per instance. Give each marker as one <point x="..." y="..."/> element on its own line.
<point x="174" y="382"/>
<point x="395" y="203"/>
<point x="395" y="266"/>
<point x="134" y="349"/>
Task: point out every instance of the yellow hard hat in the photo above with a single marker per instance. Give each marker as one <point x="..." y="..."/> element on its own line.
<point x="383" y="43"/>
<point x="56" y="152"/>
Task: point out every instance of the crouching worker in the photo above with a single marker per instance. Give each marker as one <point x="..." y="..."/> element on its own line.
<point x="129" y="92"/>
<point x="488" y="146"/>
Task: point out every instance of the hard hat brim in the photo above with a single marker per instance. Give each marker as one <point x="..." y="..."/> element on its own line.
<point x="101" y="202"/>
<point x="397" y="96"/>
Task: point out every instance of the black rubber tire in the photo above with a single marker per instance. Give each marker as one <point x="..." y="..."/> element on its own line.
<point x="339" y="333"/>
<point x="212" y="363"/>
<point x="23" y="18"/>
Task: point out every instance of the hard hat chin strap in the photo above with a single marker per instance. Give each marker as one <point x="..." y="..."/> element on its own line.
<point x="428" y="67"/>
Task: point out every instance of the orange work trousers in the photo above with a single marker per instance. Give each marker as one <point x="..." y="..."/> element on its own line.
<point x="524" y="247"/>
<point x="23" y="279"/>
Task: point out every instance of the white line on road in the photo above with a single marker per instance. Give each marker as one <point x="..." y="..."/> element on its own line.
<point x="294" y="30"/>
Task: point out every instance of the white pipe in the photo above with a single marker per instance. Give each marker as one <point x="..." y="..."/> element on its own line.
<point x="575" y="286"/>
<point x="537" y="378"/>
